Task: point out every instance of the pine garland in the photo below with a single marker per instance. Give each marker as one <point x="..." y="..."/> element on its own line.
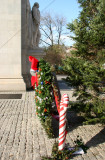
<point x="43" y="96"/>
<point x="46" y="97"/>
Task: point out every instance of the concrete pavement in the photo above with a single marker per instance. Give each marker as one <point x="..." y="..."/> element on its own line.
<point x="23" y="138"/>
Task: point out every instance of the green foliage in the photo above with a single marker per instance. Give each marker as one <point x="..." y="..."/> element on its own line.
<point x="66" y="153"/>
<point x="99" y="108"/>
<point x="95" y="120"/>
<point x="85" y="68"/>
<point x="89" y="29"/>
<point x="84" y="76"/>
<point x="47" y="124"/>
<point x="82" y="107"/>
<point x="94" y="112"/>
<point x="43" y="91"/>
<point x="43" y="96"/>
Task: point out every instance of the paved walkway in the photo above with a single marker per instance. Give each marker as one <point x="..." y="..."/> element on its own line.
<point x="23" y="138"/>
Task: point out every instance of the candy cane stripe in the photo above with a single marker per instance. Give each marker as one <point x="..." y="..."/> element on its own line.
<point x="62" y="125"/>
<point x="63" y="115"/>
<point x="61" y="133"/>
<point x="62" y="130"/>
<point x="62" y="121"/>
<point x="61" y="143"/>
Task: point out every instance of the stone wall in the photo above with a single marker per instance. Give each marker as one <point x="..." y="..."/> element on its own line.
<point x="10" y="46"/>
<point x="15" y="45"/>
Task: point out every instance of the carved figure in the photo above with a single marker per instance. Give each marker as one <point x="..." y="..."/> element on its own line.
<point x="36" y="23"/>
<point x="29" y="24"/>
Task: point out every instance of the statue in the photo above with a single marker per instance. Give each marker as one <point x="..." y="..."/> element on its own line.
<point x="36" y="23"/>
<point x="29" y="25"/>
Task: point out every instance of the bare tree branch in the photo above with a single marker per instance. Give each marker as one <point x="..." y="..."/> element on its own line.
<point x="45" y="33"/>
<point x="53" y="28"/>
<point x="45" y="42"/>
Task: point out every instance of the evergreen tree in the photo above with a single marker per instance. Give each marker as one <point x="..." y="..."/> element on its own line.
<point x="89" y="29"/>
<point x="85" y="67"/>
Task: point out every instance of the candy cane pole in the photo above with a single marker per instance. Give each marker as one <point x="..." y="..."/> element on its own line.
<point x="62" y="121"/>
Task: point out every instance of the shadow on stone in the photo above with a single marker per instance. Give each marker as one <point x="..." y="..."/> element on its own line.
<point x="55" y="126"/>
<point x="97" y="139"/>
<point x="73" y="120"/>
<point x="30" y="89"/>
<point x="63" y="85"/>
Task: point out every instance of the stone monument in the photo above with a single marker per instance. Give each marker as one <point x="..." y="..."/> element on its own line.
<point x="17" y="43"/>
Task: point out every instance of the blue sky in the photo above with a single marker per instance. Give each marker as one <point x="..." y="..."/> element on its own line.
<point x="68" y="8"/>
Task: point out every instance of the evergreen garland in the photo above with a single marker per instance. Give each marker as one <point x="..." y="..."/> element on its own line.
<point x="43" y="96"/>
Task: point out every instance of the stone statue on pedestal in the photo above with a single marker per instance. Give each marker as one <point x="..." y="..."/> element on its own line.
<point x="31" y="35"/>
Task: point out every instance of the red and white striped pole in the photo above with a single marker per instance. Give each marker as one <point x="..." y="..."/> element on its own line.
<point x="62" y="121"/>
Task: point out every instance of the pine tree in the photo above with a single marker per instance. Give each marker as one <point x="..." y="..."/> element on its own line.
<point x="85" y="67"/>
<point x="89" y="29"/>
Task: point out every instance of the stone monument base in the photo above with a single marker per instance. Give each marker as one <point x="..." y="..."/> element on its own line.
<point x="12" y="84"/>
<point x="38" y="53"/>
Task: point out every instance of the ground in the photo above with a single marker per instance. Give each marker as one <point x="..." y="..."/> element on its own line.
<point x="23" y="138"/>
